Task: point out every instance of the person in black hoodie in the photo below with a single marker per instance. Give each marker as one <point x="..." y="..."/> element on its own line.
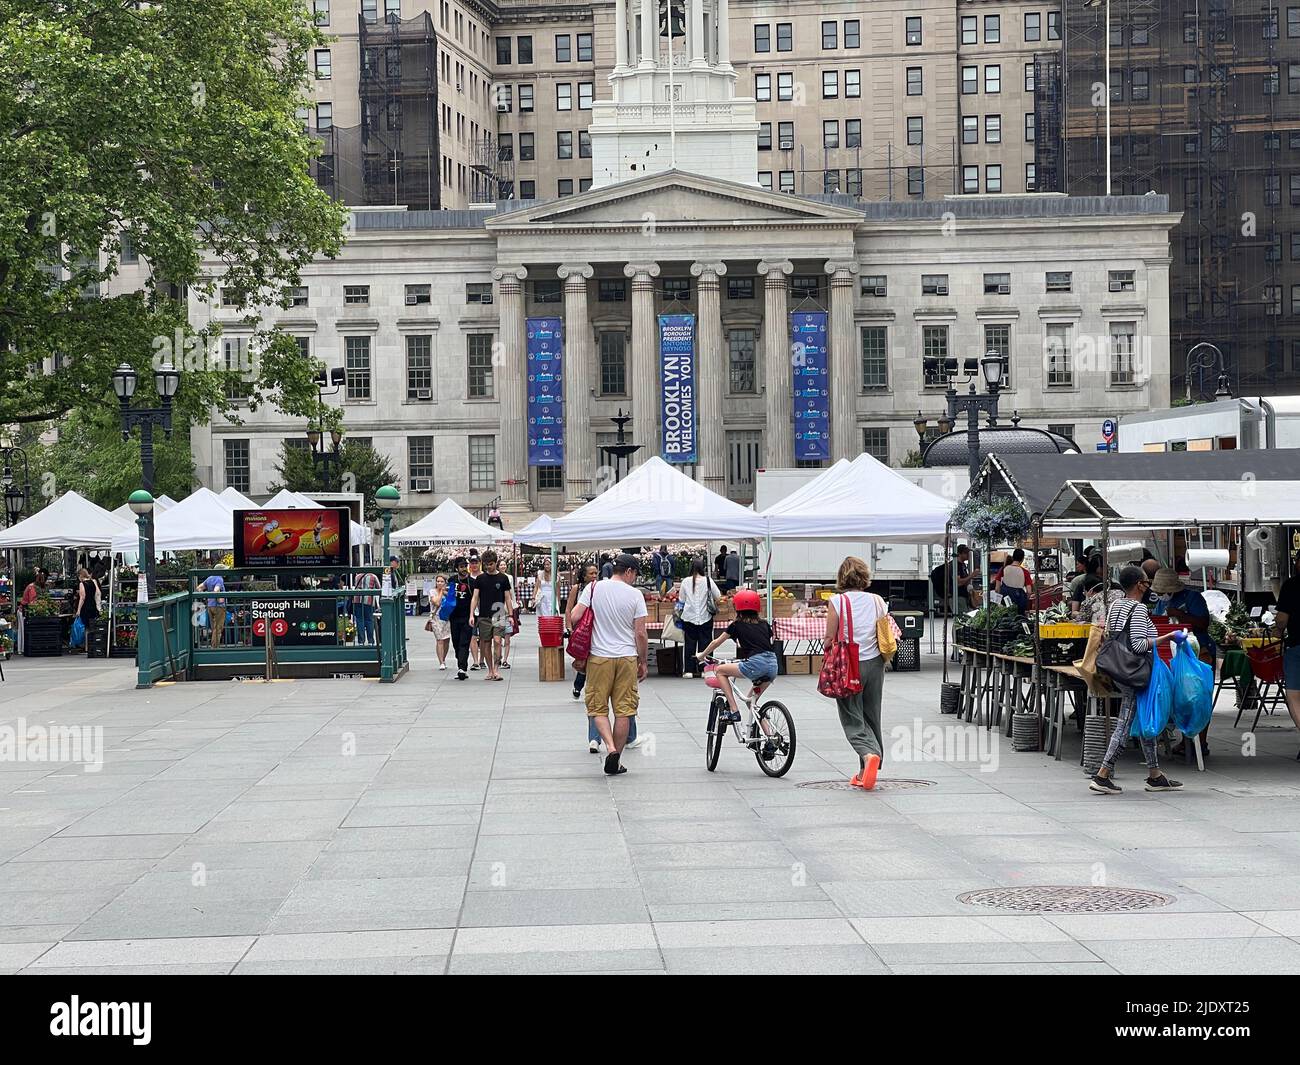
<point x="463" y="585"/>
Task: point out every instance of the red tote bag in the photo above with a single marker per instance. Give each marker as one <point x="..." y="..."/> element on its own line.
<point x="841" y="676"/>
<point x="580" y="637"/>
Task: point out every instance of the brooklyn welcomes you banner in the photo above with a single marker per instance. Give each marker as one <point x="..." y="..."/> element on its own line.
<point x="677" y="375"/>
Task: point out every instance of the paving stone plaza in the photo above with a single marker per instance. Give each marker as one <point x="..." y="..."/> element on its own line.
<point x="432" y="826"/>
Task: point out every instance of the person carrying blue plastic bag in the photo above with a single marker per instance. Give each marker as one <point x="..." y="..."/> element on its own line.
<point x="1128" y="619"/>
<point x="1193" y="691"/>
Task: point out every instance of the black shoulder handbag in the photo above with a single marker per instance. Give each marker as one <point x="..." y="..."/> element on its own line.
<point x="1120" y="662"/>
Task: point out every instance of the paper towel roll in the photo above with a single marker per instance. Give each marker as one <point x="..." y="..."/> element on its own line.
<point x="1206" y="558"/>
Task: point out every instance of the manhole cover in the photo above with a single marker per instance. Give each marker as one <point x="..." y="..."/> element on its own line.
<point x="897" y="784"/>
<point x="1066" y="899"/>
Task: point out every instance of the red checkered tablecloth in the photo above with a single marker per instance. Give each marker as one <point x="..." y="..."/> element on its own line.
<point x="806" y="627"/>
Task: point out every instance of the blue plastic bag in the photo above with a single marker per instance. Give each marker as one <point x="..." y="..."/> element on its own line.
<point x="1154" y="702"/>
<point x="1193" y="691"/>
<point x="448" y="605"/>
<point x="77" y="635"/>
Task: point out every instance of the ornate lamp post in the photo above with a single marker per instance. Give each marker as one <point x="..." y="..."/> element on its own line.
<point x="387" y="498"/>
<point x="166" y="380"/>
<point x="15" y="493"/>
<point x="141" y="504"/>
<point x="1205" y="356"/>
<point x="320" y="454"/>
<point x="971" y="403"/>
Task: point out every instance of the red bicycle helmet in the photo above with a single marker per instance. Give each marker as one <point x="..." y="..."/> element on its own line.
<point x="747" y="600"/>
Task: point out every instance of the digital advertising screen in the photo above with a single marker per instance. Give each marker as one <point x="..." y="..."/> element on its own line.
<point x="287" y="538"/>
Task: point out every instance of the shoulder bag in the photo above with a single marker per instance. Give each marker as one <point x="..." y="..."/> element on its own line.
<point x="841" y="675"/>
<point x="1120" y="662"/>
<point x="887" y="631"/>
<point x="580" y="637"/>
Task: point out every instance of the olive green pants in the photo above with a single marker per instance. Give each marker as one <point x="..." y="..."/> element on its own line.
<point x="860" y="714"/>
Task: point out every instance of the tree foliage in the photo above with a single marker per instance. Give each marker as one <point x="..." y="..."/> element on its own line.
<point x="362" y="469"/>
<point x="175" y="123"/>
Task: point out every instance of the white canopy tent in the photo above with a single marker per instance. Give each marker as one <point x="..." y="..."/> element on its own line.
<point x="449" y="523"/>
<point x="70" y="521"/>
<point x="202" y="521"/>
<point x="1083" y="508"/>
<point x="287" y="500"/>
<point x="862" y="499"/>
<point x="162" y="503"/>
<point x="655" y="502"/>
<point x="237" y="500"/>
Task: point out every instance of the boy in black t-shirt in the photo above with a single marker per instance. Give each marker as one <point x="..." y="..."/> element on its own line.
<point x="491" y="609"/>
<point x="755" y="659"/>
<point x="461" y="631"/>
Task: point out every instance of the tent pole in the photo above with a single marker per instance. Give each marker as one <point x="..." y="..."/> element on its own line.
<point x="929" y="589"/>
<point x="555" y="578"/>
<point x="1038" y="649"/>
<point x="947" y="534"/>
<point x="768" y="572"/>
<point x="112" y="566"/>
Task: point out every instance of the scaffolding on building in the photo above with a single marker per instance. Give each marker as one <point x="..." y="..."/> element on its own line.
<point x="885" y="172"/>
<point x="1204" y="103"/>
<point x="492" y="169"/>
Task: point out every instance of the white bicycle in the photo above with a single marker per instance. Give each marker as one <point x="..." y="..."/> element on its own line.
<point x="771" y="731"/>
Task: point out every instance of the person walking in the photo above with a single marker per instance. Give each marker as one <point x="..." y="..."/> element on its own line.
<point x="1128" y="619"/>
<point x="438" y="626"/>
<point x="545" y="596"/>
<point x="860" y="712"/>
<point x="619" y="655"/>
<point x="462" y="584"/>
<point x="511" y="621"/>
<point x="661" y="565"/>
<point x="215" y="582"/>
<point x="733" y="574"/>
<point x="720" y="564"/>
<point x="475" y="571"/>
<point x="698" y="600"/>
<point x="363" y="608"/>
<point x="490" y="610"/>
<point x="88" y="602"/>
<point x="606" y="567"/>
<point x="1286" y="621"/>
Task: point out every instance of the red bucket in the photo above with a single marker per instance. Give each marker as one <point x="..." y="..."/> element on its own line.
<point x="550" y="631"/>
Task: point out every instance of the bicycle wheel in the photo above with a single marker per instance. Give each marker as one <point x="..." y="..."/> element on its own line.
<point x="713" y="738"/>
<point x="781" y="737"/>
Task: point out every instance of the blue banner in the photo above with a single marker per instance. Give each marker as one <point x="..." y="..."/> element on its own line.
<point x="545" y="391"/>
<point x="677" y="376"/>
<point x="812" y="404"/>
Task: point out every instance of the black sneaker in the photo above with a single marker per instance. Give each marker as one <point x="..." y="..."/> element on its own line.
<point x="577" y="694"/>
<point x="1163" y="783"/>
<point x="461" y="675"/>
<point x="1104" y="786"/>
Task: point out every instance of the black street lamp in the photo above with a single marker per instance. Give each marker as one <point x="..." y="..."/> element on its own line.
<point x="166" y="380"/>
<point x="15" y="492"/>
<point x="321" y="455"/>
<point x="1205" y="356"/>
<point x="972" y="404"/>
<point x="618" y="453"/>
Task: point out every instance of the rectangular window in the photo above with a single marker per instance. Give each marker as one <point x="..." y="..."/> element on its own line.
<point x="1060" y="359"/>
<point x="1053" y="25"/>
<point x="1029" y="77"/>
<point x="1139" y="84"/>
<point x="524" y="49"/>
<point x="874" y="285"/>
<point x="830" y="34"/>
<point x="786" y="181"/>
<point x="853" y="181"/>
<point x="563" y="96"/>
<point x="970" y="83"/>
<point x="356" y="294"/>
<point x="805" y="287"/>
<point x="915" y="81"/>
<point x="1033" y="26"/>
<point x="563" y="48"/>
<point x="830" y="134"/>
<point x="503" y="51"/>
<point x="611" y="290"/>
<point x="992" y="29"/>
<point x="912" y="31"/>
<point x="740" y="360"/>
<point x="479" y="365"/>
<point x="584" y="48"/>
<point x="296" y="296"/>
<point x="853" y="133"/>
<point x="324" y="116"/>
<point x="1031" y="177"/>
<point x="478" y="292"/>
<point x="970" y="129"/>
<point x="586" y="94"/>
<point x="419" y="368"/>
<point x="369" y="10"/>
<point x="915" y="130"/>
<point x="321" y="8"/>
<point x="528" y="190"/>
<point x="875" y="357"/>
<point x="785" y="86"/>
<point x="740" y="288"/>
<point x="785" y="135"/>
<point x="525" y="98"/>
<point x="1122" y="371"/>
<point x="238" y="466"/>
<point x="765" y="136"/>
<point x="564" y="187"/>
<point x="1121" y="281"/>
<point x="676" y="289"/>
<point x="482" y="463"/>
<point x="934" y="355"/>
<point x="852" y="84"/>
<point x="970" y="179"/>
<point x="916" y="181"/>
<point x="763" y="87"/>
<point x="550" y="478"/>
<point x="356" y="355"/>
<point x="934" y="284"/>
<point x="970" y="29"/>
<point x="323" y="63"/>
<point x="762" y="38"/>
<point x="830" y="84"/>
<point x="784" y="37"/>
<point x="992" y="129"/>
<point x="1293" y="181"/>
<point x="613" y="363"/>
<point x="997" y="341"/>
<point x="417" y="295"/>
<point x="993" y="78"/>
<point x="997" y="284"/>
<point x="564" y="144"/>
<point x="830" y="181"/>
<point x="1029" y="127"/>
<point x="852" y="33"/>
<point x="1272" y="82"/>
<point x="875" y="442"/>
<point x="1272" y="190"/>
<point x="993" y="178"/>
<point x="419" y="459"/>
<point x="547" y="290"/>
<point x="584" y="145"/>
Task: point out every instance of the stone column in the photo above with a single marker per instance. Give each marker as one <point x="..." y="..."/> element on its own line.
<point x="645" y="360"/>
<point x="510" y="356"/>
<point x="649" y="33"/>
<point x="778" y="379"/>
<point x="710" y="379"/>
<point x="846" y="376"/>
<point x="695" y="23"/>
<point x="579" y="445"/>
<point x="724" y="42"/>
<point x="620" y="36"/>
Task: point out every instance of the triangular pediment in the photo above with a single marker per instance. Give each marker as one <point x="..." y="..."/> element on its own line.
<point x="674" y="196"/>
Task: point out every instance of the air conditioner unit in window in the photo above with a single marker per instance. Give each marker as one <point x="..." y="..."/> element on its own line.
<point x="941" y="290"/>
<point x="421" y="484"/>
<point x="424" y="393"/>
<point x="879" y="290"/>
<point x="787" y="146"/>
<point x="1004" y="290"/>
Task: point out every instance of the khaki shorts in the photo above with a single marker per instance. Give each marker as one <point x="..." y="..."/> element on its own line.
<point x="487" y="628"/>
<point x="612" y="679"/>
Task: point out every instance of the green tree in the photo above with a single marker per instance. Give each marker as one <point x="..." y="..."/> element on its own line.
<point x="174" y="123"/>
<point x="363" y="470"/>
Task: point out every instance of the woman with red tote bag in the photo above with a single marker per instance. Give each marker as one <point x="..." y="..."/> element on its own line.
<point x="854" y="670"/>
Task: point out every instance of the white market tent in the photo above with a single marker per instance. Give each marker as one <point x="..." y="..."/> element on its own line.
<point x="159" y="505"/>
<point x="202" y="521"/>
<point x="862" y="499"/>
<point x="237" y="500"/>
<point x="1081" y="507"/>
<point x="655" y="502"/>
<point x="287" y="500"/>
<point x="70" y="521"/>
<point x="449" y="523"/>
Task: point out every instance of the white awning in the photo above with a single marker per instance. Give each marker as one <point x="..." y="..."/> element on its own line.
<point x="449" y="523"/>
<point x="1079" y="508"/>
<point x="655" y="502"/>
<point x="70" y="521"/>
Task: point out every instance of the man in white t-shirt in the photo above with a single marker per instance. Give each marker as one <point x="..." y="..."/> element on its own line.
<point x="618" y="659"/>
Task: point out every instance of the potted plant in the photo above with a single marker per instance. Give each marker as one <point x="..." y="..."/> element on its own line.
<point x="42" y="628"/>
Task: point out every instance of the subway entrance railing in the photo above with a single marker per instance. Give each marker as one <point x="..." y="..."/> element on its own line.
<point x="313" y="631"/>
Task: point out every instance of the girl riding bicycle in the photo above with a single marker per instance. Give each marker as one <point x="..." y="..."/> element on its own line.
<point x="755" y="659"/>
